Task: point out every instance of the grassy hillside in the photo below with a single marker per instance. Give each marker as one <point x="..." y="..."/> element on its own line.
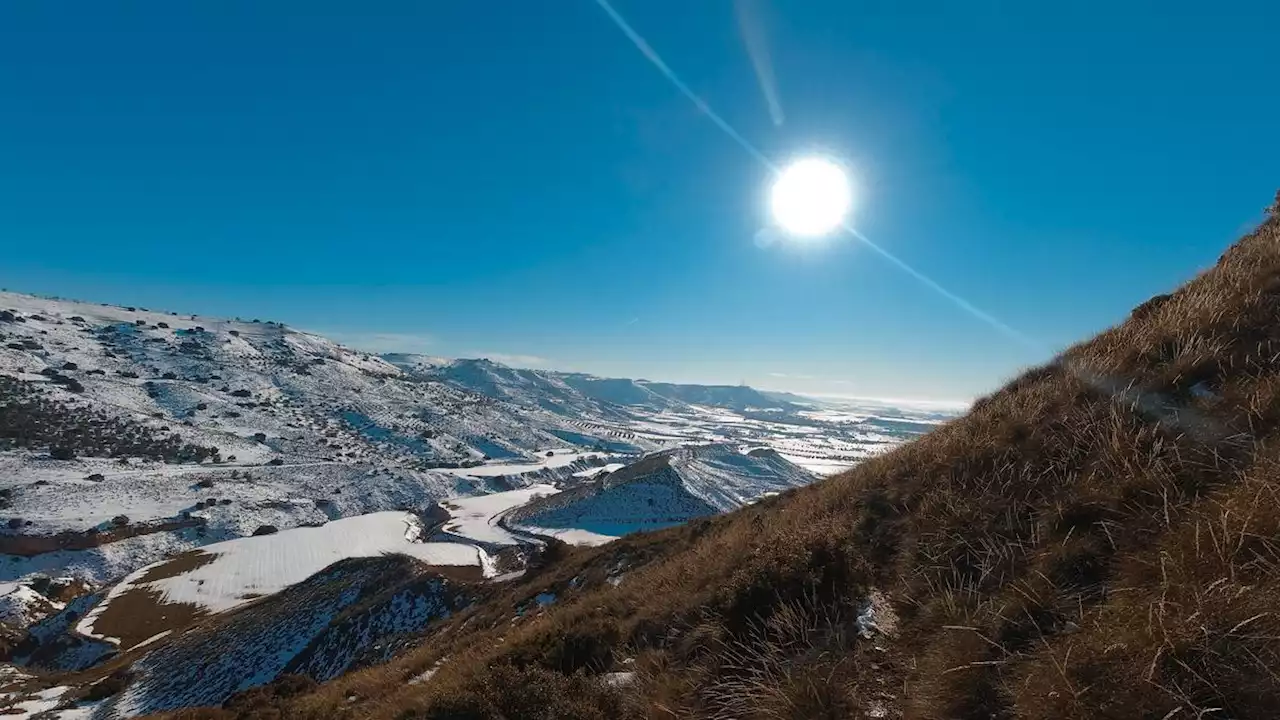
<point x="1099" y="539"/>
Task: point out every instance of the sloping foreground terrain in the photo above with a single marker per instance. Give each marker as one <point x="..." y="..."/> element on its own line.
<point x="1099" y="539"/>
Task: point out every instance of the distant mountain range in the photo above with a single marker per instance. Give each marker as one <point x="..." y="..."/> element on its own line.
<point x="563" y="392"/>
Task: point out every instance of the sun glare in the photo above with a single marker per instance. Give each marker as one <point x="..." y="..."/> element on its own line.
<point x="810" y="197"/>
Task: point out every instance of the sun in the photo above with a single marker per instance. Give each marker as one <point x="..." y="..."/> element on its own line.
<point x="810" y="197"/>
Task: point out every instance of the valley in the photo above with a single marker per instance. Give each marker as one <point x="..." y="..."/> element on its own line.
<point x="164" y="473"/>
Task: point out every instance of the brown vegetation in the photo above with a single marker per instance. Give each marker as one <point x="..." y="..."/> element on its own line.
<point x="33" y="545"/>
<point x="141" y="613"/>
<point x="1099" y="539"/>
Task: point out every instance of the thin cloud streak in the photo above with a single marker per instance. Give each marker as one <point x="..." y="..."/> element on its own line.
<point x="517" y="360"/>
<point x="376" y="342"/>
<point x="757" y="44"/>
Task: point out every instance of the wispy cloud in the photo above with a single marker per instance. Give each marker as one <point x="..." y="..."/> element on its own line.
<point x="375" y="342"/>
<point x="517" y="360"/>
<point x="791" y="376"/>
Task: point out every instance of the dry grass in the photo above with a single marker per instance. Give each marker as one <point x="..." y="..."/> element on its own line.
<point x="141" y="613"/>
<point x="1099" y="539"/>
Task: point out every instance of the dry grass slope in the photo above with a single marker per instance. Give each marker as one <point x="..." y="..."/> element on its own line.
<point x="1099" y="539"/>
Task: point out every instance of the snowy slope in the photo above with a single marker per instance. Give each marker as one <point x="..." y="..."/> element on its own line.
<point x="228" y="574"/>
<point x="336" y="619"/>
<point x="662" y="489"/>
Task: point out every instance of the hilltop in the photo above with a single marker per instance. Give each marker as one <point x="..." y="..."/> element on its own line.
<point x="1095" y="540"/>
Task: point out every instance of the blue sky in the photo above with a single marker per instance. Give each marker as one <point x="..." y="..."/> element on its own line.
<point x="514" y="179"/>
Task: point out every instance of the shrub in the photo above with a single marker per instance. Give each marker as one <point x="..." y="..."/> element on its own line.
<point x="95" y="477"/>
<point x="62" y="452"/>
<point x="108" y="686"/>
<point x="120" y="520"/>
<point x="265" y="530"/>
<point x="15" y="523"/>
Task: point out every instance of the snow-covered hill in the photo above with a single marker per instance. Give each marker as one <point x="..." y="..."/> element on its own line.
<point x="534" y="389"/>
<point x="662" y="489"/>
<point x="128" y="435"/>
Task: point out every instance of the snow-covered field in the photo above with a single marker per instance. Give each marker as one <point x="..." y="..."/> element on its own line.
<point x="243" y="569"/>
<point x="476" y="518"/>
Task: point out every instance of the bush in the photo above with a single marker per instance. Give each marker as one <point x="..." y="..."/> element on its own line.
<point x="108" y="686"/>
<point x="120" y="520"/>
<point x="241" y="393"/>
<point x="95" y="477"/>
<point x="260" y="437"/>
<point x="70" y="366"/>
<point x="15" y="523"/>
<point x="32" y="418"/>
<point x="276" y="461"/>
<point x="265" y="530"/>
